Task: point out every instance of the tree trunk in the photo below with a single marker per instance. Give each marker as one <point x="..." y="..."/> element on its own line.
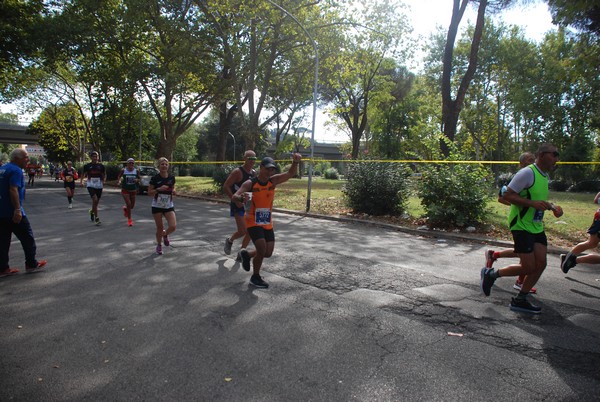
<point x="451" y="107"/>
<point x="226" y="116"/>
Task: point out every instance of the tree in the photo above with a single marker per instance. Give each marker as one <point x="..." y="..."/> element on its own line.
<point x="357" y="71"/>
<point x="451" y="107"/>
<point x="266" y="59"/>
<point x="58" y="129"/>
<point x="582" y="14"/>
<point x="21" y="27"/>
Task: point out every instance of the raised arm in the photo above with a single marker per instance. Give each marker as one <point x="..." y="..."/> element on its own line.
<point x="292" y="171"/>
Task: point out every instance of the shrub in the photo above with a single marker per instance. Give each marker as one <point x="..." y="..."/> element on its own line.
<point x="220" y="174"/>
<point x="112" y="170"/>
<point x="454" y="195"/>
<point x="203" y="170"/>
<point x="332" y="174"/>
<point x="377" y="188"/>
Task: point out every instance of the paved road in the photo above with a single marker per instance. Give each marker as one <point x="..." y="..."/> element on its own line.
<point x="354" y="312"/>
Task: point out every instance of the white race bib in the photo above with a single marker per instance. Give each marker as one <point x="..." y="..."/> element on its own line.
<point x="163" y="201"/>
<point x="262" y="216"/>
<point x="95" y="182"/>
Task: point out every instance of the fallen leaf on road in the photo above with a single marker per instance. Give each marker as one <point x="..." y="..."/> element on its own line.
<point x="454" y="334"/>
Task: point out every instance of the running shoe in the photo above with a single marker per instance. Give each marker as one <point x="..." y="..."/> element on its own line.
<point x="518" y="285"/>
<point x="39" y="266"/>
<point x="487" y="281"/>
<point x="523" y="306"/>
<point x="257" y="281"/>
<point x="245" y="256"/>
<point x="98" y="223"/>
<point x="125" y="211"/>
<point x="238" y="258"/>
<point x="91" y="215"/>
<point x="166" y="240"/>
<point x="8" y="272"/>
<point x="567" y="261"/>
<point x="227" y="247"/>
<point x="159" y="249"/>
<point x="489" y="258"/>
<point x="129" y="222"/>
<point x="70" y="206"/>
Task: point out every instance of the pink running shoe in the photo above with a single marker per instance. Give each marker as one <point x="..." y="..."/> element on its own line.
<point x="159" y="249"/>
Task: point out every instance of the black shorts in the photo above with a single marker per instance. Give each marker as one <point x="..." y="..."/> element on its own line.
<point x="525" y="241"/>
<point x="95" y="192"/>
<point x="595" y="228"/>
<point x="162" y="210"/>
<point x="258" y="232"/>
<point x="71" y="185"/>
<point x="235" y="210"/>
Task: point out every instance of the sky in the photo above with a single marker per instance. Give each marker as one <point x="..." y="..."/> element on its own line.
<point x="425" y="15"/>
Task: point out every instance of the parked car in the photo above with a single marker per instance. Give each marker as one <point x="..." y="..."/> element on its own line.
<point x="146" y="173"/>
<point x="585" y="186"/>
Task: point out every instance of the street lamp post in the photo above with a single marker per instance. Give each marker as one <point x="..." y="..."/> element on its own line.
<point x="315" y="92"/>
<point x="233" y="145"/>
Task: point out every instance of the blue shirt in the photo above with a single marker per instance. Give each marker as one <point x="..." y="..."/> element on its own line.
<point x="10" y="176"/>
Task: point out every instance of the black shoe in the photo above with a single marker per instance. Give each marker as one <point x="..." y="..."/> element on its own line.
<point x="523" y="306"/>
<point x="487" y="281"/>
<point x="257" y="281"/>
<point x="92" y="215"/>
<point x="245" y="256"/>
<point x="567" y="262"/>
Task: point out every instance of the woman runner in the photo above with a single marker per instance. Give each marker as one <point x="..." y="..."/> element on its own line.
<point x="68" y="176"/>
<point x="129" y="179"/>
<point x="162" y="190"/>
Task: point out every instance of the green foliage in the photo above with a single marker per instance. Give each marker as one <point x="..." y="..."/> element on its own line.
<point x="332" y="174"/>
<point x="454" y="195"/>
<point x="377" y="188"/>
<point x="221" y="173"/>
<point x="112" y="170"/>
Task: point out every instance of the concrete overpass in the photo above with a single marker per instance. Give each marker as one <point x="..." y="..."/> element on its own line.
<point x="15" y="134"/>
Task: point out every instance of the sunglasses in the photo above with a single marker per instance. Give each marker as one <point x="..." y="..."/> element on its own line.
<point x="556" y="154"/>
<point x="251" y="158"/>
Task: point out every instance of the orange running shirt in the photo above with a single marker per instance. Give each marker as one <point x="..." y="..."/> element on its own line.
<point x="262" y="205"/>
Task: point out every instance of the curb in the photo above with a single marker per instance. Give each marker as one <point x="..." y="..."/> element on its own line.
<point x="436" y="234"/>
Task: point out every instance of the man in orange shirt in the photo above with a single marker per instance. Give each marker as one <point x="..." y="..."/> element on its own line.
<point x="259" y="209"/>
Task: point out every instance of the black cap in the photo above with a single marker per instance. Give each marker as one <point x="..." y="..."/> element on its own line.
<point x="268" y="163"/>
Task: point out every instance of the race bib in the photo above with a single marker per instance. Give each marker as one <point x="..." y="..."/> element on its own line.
<point x="538" y="216"/>
<point x="262" y="216"/>
<point x="95" y="182"/>
<point x="69" y="179"/>
<point x="163" y="201"/>
<point x="130" y="179"/>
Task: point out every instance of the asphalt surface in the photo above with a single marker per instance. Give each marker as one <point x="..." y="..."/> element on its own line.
<point x="354" y="312"/>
